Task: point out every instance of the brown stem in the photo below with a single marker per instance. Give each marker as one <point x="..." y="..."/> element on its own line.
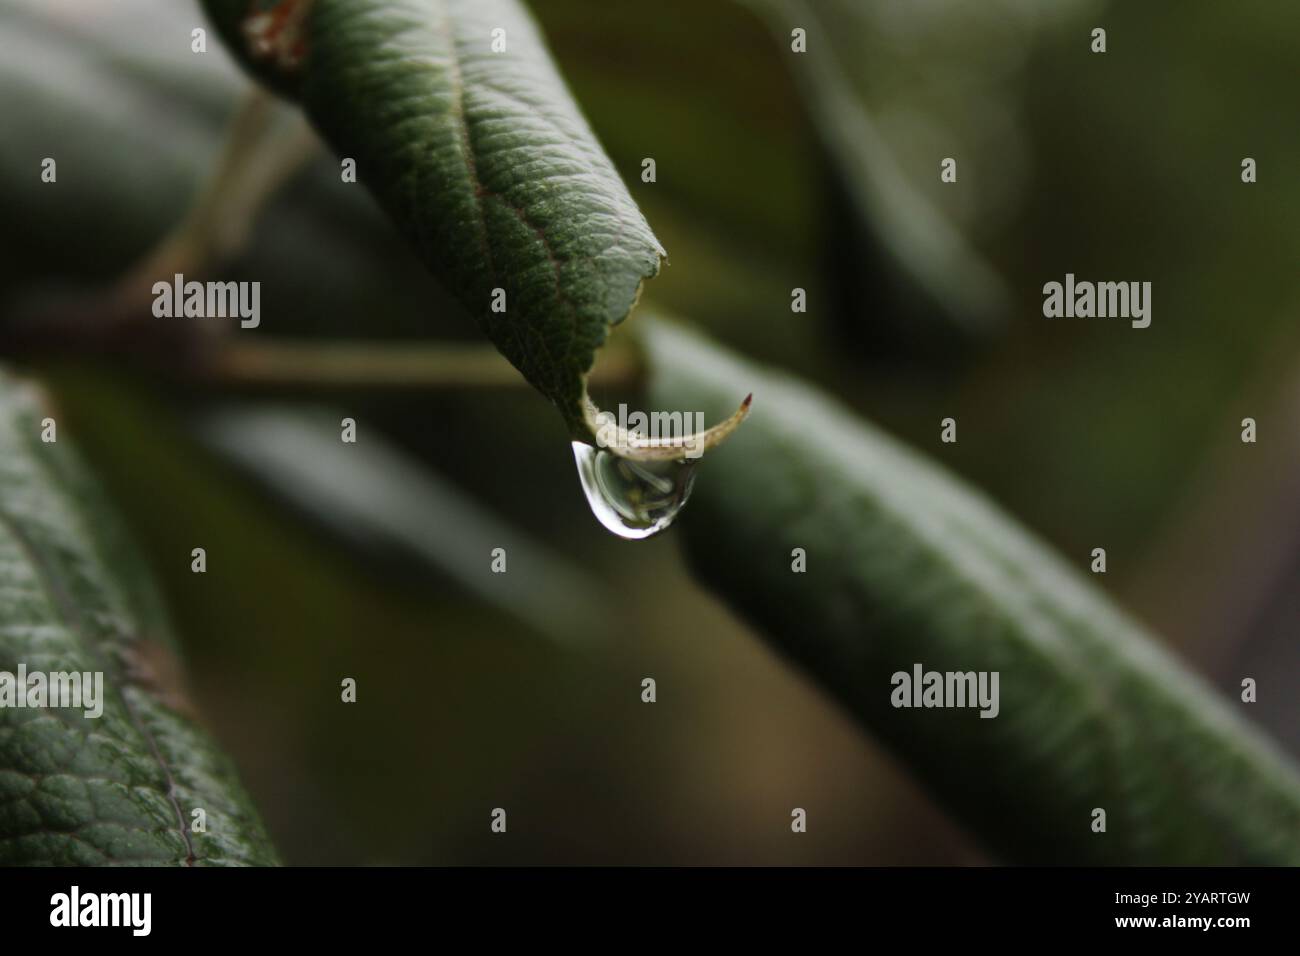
<point x="350" y="364"/>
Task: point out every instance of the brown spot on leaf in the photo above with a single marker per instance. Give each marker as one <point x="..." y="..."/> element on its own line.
<point x="277" y="33"/>
<point x="154" y="668"/>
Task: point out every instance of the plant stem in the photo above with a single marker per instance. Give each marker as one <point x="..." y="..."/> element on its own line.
<point x="359" y="364"/>
<point x="257" y="158"/>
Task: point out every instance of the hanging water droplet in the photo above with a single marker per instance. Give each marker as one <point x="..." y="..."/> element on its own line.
<point x="633" y="499"/>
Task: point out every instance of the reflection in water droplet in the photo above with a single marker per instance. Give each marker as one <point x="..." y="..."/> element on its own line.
<point x="633" y="499"/>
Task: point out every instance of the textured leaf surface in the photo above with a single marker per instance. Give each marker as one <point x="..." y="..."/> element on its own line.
<point x="120" y="788"/>
<point x="484" y="162"/>
<point x="905" y="565"/>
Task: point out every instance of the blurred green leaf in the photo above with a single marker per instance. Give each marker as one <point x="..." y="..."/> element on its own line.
<point x="914" y="235"/>
<point x="374" y="495"/>
<point x="135" y="121"/>
<point x="120" y="787"/>
<point x="905" y="565"/>
<point x="484" y="162"/>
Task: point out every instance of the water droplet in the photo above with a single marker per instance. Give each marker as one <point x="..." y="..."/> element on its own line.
<point x="633" y="499"/>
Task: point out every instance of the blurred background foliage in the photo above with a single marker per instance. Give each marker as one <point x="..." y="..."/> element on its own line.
<point x="924" y="302"/>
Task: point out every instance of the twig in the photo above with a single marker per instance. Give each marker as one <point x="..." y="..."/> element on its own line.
<point x="354" y="364"/>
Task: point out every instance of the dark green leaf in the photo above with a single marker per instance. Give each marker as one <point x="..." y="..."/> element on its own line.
<point x="120" y="788"/>
<point x="905" y="565"/>
<point x="480" y="157"/>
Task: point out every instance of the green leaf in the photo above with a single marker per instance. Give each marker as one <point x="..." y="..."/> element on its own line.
<point x="936" y="260"/>
<point x="119" y="788"/>
<point x="480" y="157"/>
<point x="386" y="501"/>
<point x="906" y="565"/>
